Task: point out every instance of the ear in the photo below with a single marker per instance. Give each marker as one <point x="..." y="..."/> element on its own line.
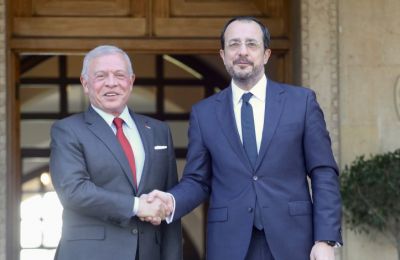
<point x="222" y="54"/>
<point x="267" y="54"/>
<point x="133" y="77"/>
<point x="84" y="83"/>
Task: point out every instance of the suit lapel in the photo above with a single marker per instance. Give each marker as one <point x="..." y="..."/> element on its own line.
<point x="274" y="104"/>
<point x="103" y="131"/>
<point x="146" y="134"/>
<point x="227" y="121"/>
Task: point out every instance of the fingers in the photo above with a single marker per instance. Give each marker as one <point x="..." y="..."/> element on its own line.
<point x="155" y="207"/>
<point x="165" y="197"/>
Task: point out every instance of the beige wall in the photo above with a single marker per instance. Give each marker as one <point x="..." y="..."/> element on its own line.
<point x="369" y="67"/>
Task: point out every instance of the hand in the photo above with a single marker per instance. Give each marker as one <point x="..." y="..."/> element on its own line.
<point x="163" y="196"/>
<point x="322" y="251"/>
<point x="166" y="198"/>
<point x="154" y="211"/>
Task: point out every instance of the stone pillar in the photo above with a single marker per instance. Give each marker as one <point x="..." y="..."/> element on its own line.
<point x="3" y="148"/>
<point x="319" y="62"/>
<point x="319" y="59"/>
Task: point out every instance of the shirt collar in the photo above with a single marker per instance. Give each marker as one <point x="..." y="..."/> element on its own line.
<point x="125" y="115"/>
<point x="258" y="90"/>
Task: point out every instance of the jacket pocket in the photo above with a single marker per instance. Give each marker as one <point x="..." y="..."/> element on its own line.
<point x="300" y="208"/>
<point x="84" y="232"/>
<point x="217" y="214"/>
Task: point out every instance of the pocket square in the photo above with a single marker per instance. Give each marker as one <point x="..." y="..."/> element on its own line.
<point x="160" y="147"/>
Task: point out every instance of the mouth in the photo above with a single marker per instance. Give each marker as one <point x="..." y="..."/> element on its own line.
<point x="242" y="62"/>
<point x="110" y="94"/>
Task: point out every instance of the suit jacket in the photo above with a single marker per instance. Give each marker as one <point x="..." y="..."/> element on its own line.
<point x="295" y="145"/>
<point x="93" y="180"/>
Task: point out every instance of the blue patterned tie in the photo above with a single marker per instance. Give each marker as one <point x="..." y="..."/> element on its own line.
<point x="248" y="130"/>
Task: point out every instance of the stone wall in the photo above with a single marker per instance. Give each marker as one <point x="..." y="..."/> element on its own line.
<point x="369" y="69"/>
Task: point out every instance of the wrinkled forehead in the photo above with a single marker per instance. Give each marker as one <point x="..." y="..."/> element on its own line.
<point x="243" y="30"/>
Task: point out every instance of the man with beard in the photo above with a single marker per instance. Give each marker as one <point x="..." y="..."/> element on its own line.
<point x="252" y="148"/>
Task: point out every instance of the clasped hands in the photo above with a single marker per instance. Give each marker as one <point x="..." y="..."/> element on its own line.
<point x="155" y="207"/>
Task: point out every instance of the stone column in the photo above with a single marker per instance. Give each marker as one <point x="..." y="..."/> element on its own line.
<point x="319" y="62"/>
<point x="3" y="148"/>
<point x="319" y="39"/>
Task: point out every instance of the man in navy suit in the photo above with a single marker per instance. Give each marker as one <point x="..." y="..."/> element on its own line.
<point x="99" y="183"/>
<point x="252" y="148"/>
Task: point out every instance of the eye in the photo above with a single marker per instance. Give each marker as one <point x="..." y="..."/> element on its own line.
<point x="99" y="76"/>
<point x="234" y="45"/>
<point x="252" y="44"/>
<point x="120" y="76"/>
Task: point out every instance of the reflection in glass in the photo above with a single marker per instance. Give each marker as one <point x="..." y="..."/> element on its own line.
<point x="77" y="100"/>
<point x="40" y="224"/>
<point x="39" y="98"/>
<point x="32" y="164"/>
<point x="179" y="133"/>
<point x="143" y="99"/>
<point x="181" y="99"/>
<point x="42" y="254"/>
<point x="35" y="133"/>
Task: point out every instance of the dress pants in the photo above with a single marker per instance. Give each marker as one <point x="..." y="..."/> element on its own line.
<point x="258" y="248"/>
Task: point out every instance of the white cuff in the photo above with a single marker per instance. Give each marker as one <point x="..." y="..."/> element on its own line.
<point x="136" y="206"/>
<point x="171" y="216"/>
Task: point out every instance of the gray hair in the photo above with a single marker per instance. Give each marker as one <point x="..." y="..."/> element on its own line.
<point x="101" y="51"/>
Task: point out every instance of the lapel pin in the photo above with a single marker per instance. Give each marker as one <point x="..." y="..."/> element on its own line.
<point x="147" y="126"/>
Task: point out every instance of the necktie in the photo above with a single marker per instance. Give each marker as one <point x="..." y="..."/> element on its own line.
<point x="250" y="145"/>
<point x="118" y="122"/>
<point x="248" y="130"/>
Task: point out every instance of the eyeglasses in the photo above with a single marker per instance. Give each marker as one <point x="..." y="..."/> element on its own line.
<point x="249" y="44"/>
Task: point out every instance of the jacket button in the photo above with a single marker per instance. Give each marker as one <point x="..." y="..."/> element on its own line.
<point x="134" y="231"/>
<point x="255" y="177"/>
<point x="250" y="210"/>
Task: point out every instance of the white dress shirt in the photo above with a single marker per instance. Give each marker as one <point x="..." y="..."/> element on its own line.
<point x="132" y="134"/>
<point x="257" y="102"/>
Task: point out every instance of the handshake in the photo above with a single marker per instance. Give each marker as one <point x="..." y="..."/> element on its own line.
<point x="155" y="207"/>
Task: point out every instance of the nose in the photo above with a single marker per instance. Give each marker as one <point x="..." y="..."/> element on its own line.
<point x="110" y="80"/>
<point x="243" y="49"/>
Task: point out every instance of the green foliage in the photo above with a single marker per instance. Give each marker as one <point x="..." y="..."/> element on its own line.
<point x="371" y="193"/>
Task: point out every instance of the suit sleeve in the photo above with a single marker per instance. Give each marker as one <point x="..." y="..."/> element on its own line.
<point x="323" y="172"/>
<point x="171" y="248"/>
<point x="73" y="184"/>
<point x="194" y="186"/>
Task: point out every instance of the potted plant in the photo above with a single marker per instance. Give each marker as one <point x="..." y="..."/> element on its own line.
<point x="371" y="195"/>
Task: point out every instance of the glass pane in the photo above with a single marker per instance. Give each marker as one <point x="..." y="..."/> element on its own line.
<point x="39" y="98"/>
<point x="74" y="66"/>
<point x="144" y="65"/>
<point x="180" y="163"/>
<point x="181" y="99"/>
<point x="47" y="68"/>
<point x="33" y="164"/>
<point x="42" y="254"/>
<point x="143" y="99"/>
<point x="31" y="186"/>
<point x="179" y="133"/>
<point x="31" y="208"/>
<point x="35" y="133"/>
<point x="214" y="62"/>
<point x="174" y="68"/>
<point x="31" y="233"/>
<point x="77" y="99"/>
<point x="52" y="213"/>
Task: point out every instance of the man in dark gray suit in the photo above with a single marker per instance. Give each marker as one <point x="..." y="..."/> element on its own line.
<point x="101" y="165"/>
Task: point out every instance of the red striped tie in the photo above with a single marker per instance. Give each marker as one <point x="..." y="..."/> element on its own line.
<point x="118" y="122"/>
